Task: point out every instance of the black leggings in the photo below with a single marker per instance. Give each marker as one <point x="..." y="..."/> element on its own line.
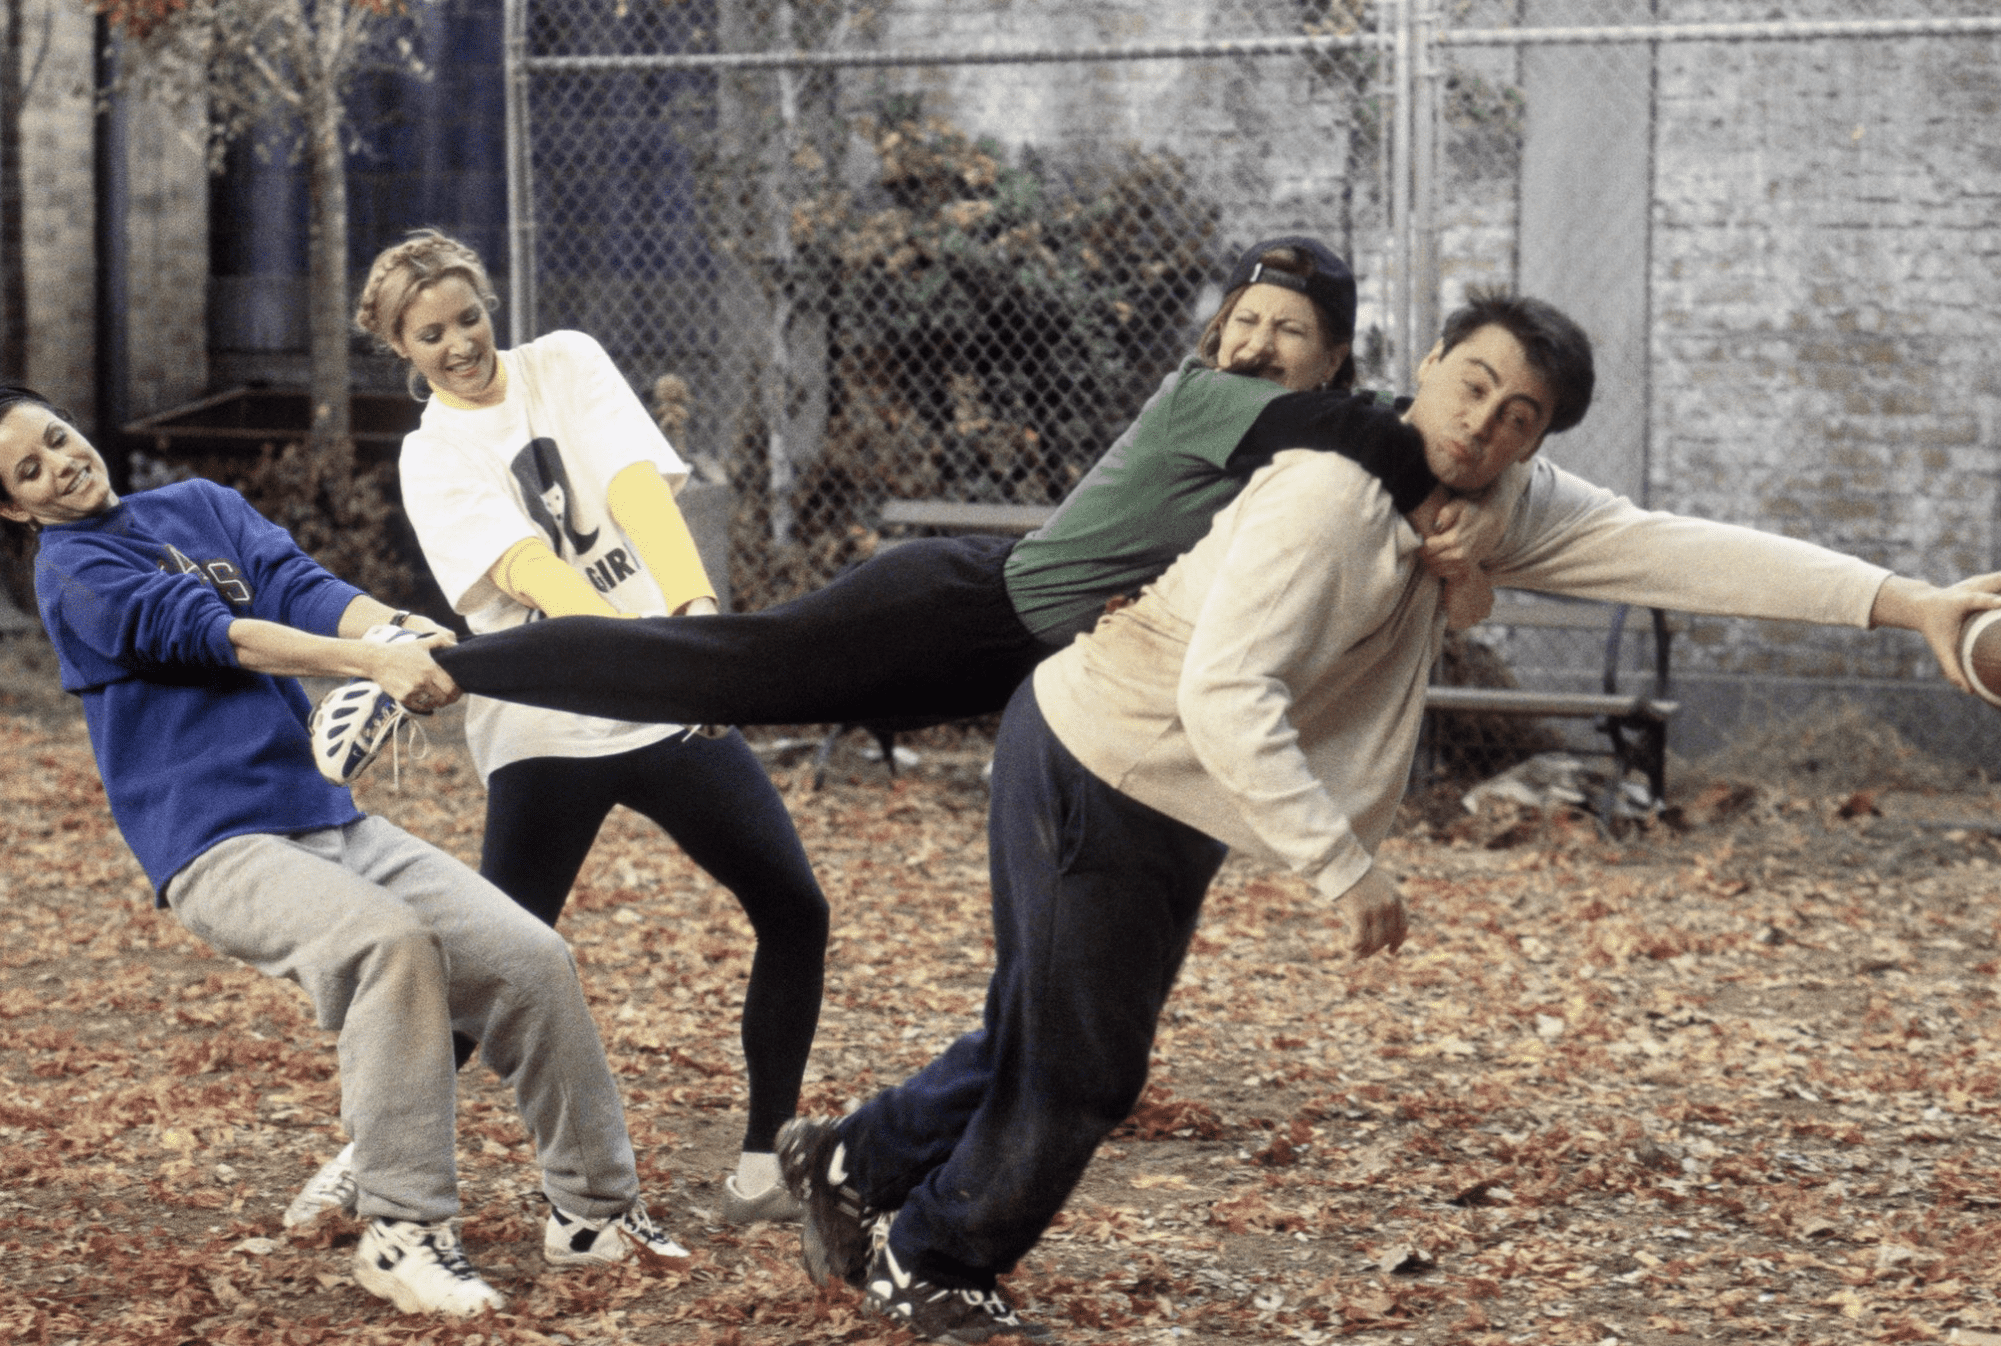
<point x="714" y="799"/>
<point x="921" y="633"/>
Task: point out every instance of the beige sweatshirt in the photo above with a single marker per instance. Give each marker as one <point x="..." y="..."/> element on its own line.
<point x="1268" y="689"/>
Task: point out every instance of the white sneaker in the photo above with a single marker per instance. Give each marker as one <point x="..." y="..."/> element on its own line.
<point x="353" y="721"/>
<point x="571" y="1240"/>
<point x="332" y="1188"/>
<point x="420" y="1268"/>
<point x="773" y="1203"/>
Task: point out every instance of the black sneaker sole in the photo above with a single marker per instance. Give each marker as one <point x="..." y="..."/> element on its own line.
<point x="976" y="1328"/>
<point x="805" y="1152"/>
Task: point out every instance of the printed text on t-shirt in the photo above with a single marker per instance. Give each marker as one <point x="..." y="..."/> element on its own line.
<point x="219" y="575"/>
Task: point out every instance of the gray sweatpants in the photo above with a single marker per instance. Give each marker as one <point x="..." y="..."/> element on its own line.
<point x="396" y="943"/>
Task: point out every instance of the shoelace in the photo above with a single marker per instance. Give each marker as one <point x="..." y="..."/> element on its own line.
<point x="640" y="1222"/>
<point x="451" y="1256"/>
<point x="420" y="748"/>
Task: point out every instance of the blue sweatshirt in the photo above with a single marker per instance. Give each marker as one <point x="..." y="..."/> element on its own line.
<point x="193" y="748"/>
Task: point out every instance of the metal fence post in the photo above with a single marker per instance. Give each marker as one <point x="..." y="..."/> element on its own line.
<point x="1426" y="88"/>
<point x="1403" y="360"/>
<point x="520" y="182"/>
<point x="778" y="373"/>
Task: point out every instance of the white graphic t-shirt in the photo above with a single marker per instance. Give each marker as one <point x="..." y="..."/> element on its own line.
<point x="476" y="482"/>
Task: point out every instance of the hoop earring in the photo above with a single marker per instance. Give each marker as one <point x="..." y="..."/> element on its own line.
<point x="418" y="385"/>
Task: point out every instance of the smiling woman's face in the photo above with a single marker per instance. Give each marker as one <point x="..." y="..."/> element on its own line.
<point x="447" y="335"/>
<point x="50" y="473"/>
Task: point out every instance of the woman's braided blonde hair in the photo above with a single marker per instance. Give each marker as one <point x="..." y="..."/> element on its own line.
<point x="400" y="273"/>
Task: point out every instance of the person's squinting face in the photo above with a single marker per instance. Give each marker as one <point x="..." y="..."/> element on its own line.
<point x="1274" y="333"/>
<point x="448" y="336"/>
<point x="1480" y="407"/>
<point x="51" y="473"/>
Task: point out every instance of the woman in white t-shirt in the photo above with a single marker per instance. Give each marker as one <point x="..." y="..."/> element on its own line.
<point x="539" y="487"/>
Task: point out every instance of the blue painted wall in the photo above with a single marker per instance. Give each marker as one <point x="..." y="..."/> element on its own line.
<point x="432" y="152"/>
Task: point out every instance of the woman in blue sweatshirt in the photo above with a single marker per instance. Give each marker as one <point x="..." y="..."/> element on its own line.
<point x="180" y="618"/>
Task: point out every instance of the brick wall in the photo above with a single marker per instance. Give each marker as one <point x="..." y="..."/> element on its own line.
<point x="1826" y="299"/>
<point x="166" y="232"/>
<point x="58" y="213"/>
<point x="1280" y="144"/>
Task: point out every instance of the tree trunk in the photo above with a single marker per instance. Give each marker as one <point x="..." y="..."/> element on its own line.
<point x="13" y="266"/>
<point x="327" y="299"/>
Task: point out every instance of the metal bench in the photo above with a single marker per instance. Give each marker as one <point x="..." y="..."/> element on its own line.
<point x="1635" y="723"/>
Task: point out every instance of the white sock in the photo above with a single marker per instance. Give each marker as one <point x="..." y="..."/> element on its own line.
<point x="756" y="1170"/>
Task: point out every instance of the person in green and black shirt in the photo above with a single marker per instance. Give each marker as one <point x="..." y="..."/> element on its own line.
<point x="945" y="628"/>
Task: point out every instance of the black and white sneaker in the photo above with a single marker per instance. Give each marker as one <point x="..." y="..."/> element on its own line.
<point x="351" y="723"/>
<point x="836" y="1225"/>
<point x="332" y="1188"/>
<point x="937" y="1312"/>
<point x="420" y="1268"/>
<point x="573" y="1240"/>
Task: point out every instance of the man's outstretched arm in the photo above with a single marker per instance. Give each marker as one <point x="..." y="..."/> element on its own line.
<point x="1936" y="614"/>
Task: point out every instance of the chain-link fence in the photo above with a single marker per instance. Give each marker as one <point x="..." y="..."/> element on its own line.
<point x="944" y="249"/>
<point x="955" y="281"/>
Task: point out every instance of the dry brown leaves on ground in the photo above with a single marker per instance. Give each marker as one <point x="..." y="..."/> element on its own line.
<point x="1735" y="1082"/>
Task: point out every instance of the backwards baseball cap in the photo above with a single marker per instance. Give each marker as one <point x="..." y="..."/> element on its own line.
<point x="1329" y="283"/>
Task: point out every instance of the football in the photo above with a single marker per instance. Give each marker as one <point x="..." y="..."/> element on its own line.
<point x="1980" y="654"/>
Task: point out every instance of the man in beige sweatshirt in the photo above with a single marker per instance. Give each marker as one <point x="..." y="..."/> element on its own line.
<point x="1264" y="694"/>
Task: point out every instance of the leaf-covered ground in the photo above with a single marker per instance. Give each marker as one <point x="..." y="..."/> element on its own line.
<point x="1734" y="1080"/>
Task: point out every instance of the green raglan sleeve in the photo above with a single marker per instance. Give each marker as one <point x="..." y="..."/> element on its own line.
<point x="1210" y="412"/>
<point x="1145" y="502"/>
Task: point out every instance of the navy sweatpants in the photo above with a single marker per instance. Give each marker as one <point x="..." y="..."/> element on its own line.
<point x="918" y="634"/>
<point x="1095" y="899"/>
<point x="714" y="799"/>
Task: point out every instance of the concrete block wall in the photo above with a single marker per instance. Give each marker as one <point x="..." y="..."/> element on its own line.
<point x="1826" y="299"/>
<point x="166" y="232"/>
<point x="166" y="239"/>
<point x="58" y="213"/>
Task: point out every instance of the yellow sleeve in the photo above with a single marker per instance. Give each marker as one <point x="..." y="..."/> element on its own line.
<point x="644" y="507"/>
<point x="529" y="573"/>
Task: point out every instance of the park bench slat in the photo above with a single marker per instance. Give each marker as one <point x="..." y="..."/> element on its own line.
<point x="1515" y="701"/>
<point x="966" y="516"/>
<point x="1563" y="616"/>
